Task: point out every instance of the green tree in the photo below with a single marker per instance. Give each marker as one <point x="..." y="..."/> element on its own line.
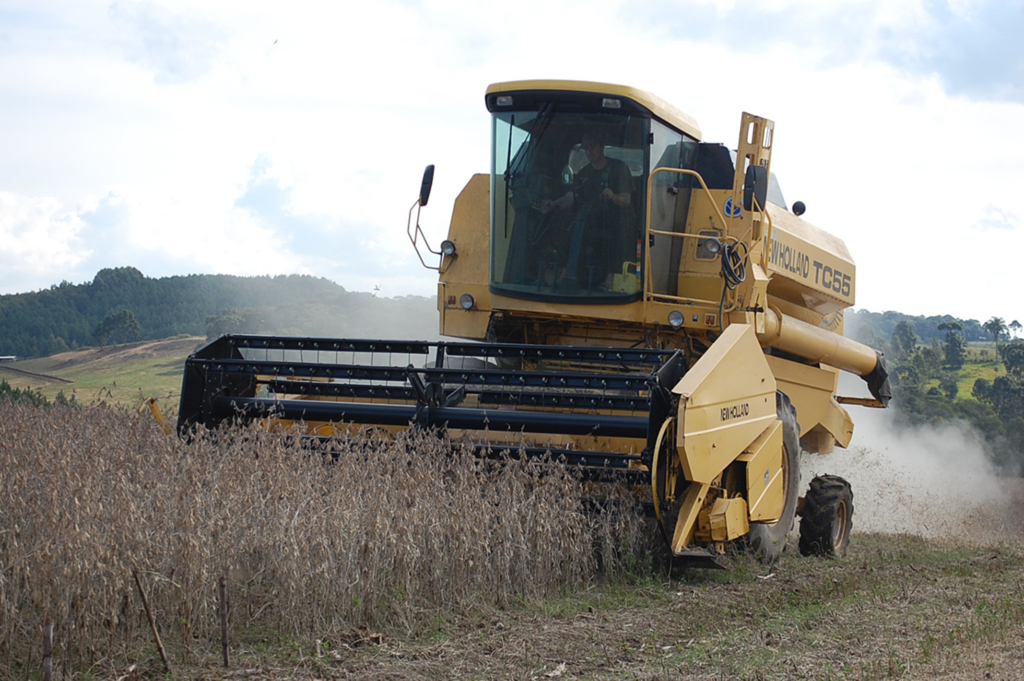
<point x="949" y="386"/>
<point x="903" y="342"/>
<point x="955" y="345"/>
<point x="232" y="320"/>
<point x="121" y="325"/>
<point x="928" y="362"/>
<point x="995" y="326"/>
<point x="982" y="390"/>
<point x="118" y="277"/>
<point x="24" y="395"/>
<point x="1007" y="397"/>
<point x="1015" y="327"/>
<point x="1013" y="357"/>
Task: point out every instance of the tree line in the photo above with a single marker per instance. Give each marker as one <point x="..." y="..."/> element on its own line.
<point x="939" y="378"/>
<point x="930" y="358"/>
<point x="876" y="328"/>
<point x="121" y="305"/>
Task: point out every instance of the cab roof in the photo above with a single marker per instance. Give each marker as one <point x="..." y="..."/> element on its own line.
<point x="658" y="107"/>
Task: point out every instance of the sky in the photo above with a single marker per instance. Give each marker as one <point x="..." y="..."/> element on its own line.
<point x="251" y="138"/>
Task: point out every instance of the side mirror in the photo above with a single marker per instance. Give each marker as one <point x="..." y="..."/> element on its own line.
<point x="428" y="180"/>
<point x="755" y="188"/>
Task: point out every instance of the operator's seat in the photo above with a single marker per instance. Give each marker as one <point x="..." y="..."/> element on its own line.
<point x="714" y="163"/>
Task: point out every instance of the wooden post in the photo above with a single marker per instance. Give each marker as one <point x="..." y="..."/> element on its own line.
<point x="224" y="619"/>
<point x="152" y="621"/>
<point x="48" y="652"/>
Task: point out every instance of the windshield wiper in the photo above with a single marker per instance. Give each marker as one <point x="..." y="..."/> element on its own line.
<point x="539" y="127"/>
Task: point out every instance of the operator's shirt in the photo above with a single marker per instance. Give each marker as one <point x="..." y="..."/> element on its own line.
<point x="610" y="227"/>
<point x="590" y="182"/>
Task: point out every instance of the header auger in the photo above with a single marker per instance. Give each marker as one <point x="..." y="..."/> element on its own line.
<point x="638" y="302"/>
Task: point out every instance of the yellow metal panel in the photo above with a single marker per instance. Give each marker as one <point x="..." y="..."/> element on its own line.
<point x="765" y="488"/>
<point x="810" y="267"/>
<point x="694" y="317"/>
<point x="470" y="230"/>
<point x="468" y="271"/>
<point x="686" y="521"/>
<point x="656" y="105"/>
<point x="837" y="421"/>
<point x="795" y="379"/>
<point x="811" y="390"/>
<point x="458" y="322"/>
<point x="726" y="400"/>
<point x="701" y="278"/>
<point x="631" y="312"/>
<point x="727" y="519"/>
<point x="819" y="441"/>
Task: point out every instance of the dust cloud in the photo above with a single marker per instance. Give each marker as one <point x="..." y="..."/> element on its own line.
<point x="935" y="482"/>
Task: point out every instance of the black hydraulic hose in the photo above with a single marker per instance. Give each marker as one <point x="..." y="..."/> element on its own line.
<point x="734" y="271"/>
<point x="734" y="266"/>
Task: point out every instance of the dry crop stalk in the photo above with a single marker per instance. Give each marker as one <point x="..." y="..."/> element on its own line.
<point x="152" y="622"/>
<point x="417" y="528"/>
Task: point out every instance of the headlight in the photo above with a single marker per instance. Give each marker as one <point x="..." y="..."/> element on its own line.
<point x="712" y="245"/>
<point x="448" y="247"/>
<point x="676" y="318"/>
<point x="466" y="301"/>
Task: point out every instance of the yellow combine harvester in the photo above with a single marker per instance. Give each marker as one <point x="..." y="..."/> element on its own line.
<point x="640" y="303"/>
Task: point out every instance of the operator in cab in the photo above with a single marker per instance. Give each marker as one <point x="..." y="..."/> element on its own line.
<point x="602" y="196"/>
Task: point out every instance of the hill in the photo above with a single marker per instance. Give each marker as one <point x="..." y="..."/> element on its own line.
<point x="122" y="304"/>
<point x="123" y="375"/>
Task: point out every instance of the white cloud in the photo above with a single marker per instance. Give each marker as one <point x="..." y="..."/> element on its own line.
<point x="161" y="109"/>
<point x="993" y="217"/>
<point x="175" y="47"/>
<point x="39" y="238"/>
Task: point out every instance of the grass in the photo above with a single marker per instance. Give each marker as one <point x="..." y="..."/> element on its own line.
<point x="982" y="362"/>
<point x="866" y="617"/>
<point x="122" y="375"/>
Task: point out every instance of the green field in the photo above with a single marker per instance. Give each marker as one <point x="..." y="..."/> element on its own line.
<point x="121" y="375"/>
<point x="982" y="362"/>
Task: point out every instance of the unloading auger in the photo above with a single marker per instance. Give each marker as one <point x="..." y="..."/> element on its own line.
<point x="631" y="300"/>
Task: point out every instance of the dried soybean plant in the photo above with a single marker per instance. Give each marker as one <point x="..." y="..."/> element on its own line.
<point x="386" y="532"/>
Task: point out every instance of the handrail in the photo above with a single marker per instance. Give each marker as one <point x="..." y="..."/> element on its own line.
<point x="768" y="242"/>
<point x="649" y="293"/>
<point x="682" y="299"/>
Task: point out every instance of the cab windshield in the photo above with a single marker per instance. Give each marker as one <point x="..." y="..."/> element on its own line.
<point x="567" y="198"/>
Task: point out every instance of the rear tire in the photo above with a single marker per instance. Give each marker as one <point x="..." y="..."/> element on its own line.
<point x="827" y="517"/>
<point x="767" y="540"/>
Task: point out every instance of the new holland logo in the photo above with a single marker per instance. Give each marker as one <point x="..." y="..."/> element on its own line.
<point x="731" y="210"/>
<point x="737" y="412"/>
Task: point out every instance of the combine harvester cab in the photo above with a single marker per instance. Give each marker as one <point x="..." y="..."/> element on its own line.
<point x="630" y="299"/>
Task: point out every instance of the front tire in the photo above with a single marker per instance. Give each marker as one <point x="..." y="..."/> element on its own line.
<point x="767" y="540"/>
<point x="827" y="517"/>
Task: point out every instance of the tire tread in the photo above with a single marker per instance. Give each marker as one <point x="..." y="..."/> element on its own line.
<point x="823" y="498"/>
